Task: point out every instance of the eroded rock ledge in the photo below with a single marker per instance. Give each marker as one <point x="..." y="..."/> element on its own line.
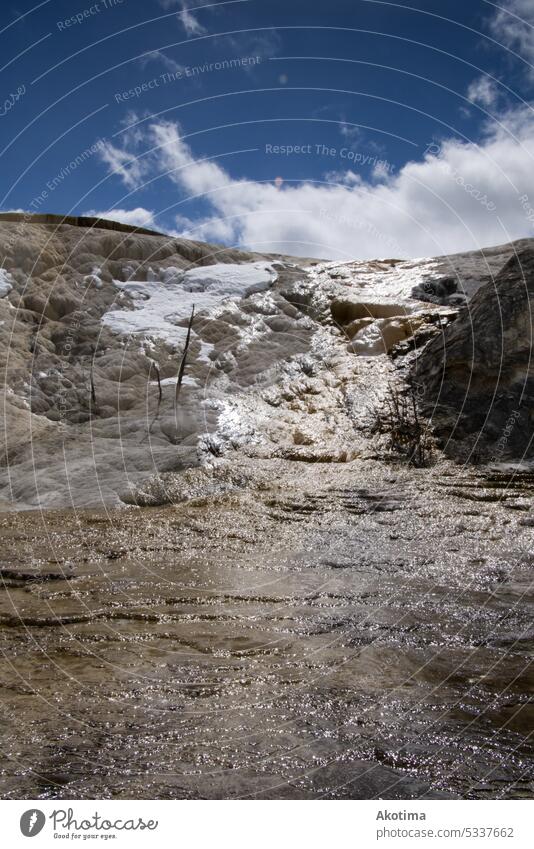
<point x="478" y="374"/>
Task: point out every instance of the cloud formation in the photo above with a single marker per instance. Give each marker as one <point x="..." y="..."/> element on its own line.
<point x="190" y="23"/>
<point x="138" y="217"/>
<point x="167" y="61"/>
<point x="483" y="91"/>
<point x="458" y="196"/>
<point x="512" y="24"/>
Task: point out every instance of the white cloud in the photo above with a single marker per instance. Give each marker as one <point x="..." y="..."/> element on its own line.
<point x="186" y="17"/>
<point x="344" y="178"/>
<point x="190" y="23"/>
<point x="483" y="91"/>
<point x="138" y="217"/>
<point x="381" y="171"/>
<point x="167" y="62"/>
<point x="350" y="131"/>
<point x="204" y="230"/>
<point x="125" y="165"/>
<point x="458" y="196"/>
<point x="513" y="25"/>
<point x="198" y="176"/>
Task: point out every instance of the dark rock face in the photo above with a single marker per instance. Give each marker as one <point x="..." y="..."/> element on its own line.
<point x="436" y="291"/>
<point x="477" y="377"/>
<point x="443" y="292"/>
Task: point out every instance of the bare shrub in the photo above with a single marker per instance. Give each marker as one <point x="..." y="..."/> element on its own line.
<point x="408" y="434"/>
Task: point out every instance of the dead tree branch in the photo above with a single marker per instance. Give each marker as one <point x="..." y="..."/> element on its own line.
<point x="93" y="391"/>
<point x="181" y="369"/>
<point x="160" y="395"/>
<point x="397" y="417"/>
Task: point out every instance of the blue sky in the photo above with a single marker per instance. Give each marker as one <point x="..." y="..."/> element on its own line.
<point x="349" y="128"/>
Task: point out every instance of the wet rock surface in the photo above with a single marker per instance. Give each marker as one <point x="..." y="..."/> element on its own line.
<point x="346" y="631"/>
<point x="80" y="385"/>
<point x="477" y="376"/>
<point x="93" y="322"/>
<point x="279" y="608"/>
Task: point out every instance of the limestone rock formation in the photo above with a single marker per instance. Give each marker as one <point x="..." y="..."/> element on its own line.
<point x="286" y="361"/>
<point x="477" y="376"/>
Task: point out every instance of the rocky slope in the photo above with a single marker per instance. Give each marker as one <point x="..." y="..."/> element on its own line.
<point x="291" y="612"/>
<point x="287" y="358"/>
<point x="478" y="378"/>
